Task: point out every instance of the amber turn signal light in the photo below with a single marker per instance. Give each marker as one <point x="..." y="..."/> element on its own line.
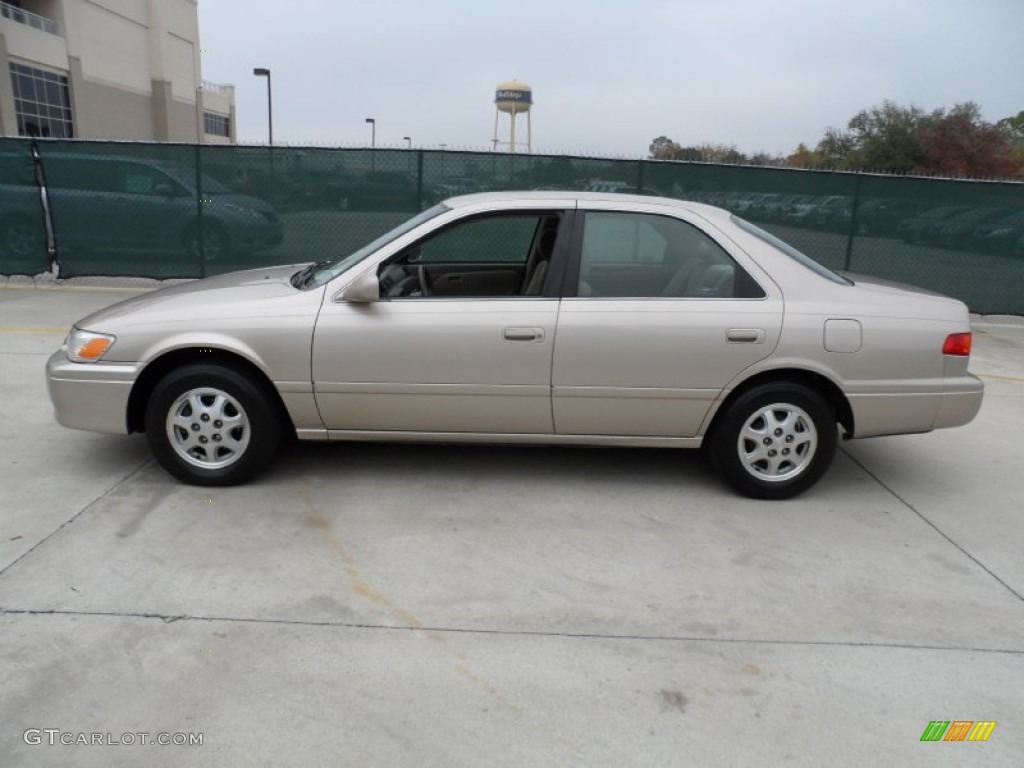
<point x="94" y="348"/>
<point x="87" y="346"/>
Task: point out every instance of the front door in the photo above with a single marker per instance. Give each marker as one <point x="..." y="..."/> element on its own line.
<point x="461" y="340"/>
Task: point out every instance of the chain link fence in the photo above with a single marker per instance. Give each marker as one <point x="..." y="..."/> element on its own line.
<point x="185" y="211"/>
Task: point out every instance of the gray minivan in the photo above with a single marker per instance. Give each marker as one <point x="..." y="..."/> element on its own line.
<point x="114" y="203"/>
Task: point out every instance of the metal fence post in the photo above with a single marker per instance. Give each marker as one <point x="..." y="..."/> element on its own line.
<point x="199" y="212"/>
<point x="853" y="223"/>
<point x="419" y="179"/>
<point x="44" y="201"/>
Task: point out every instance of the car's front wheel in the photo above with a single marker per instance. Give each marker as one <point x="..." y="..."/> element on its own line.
<point x="213" y="245"/>
<point x="211" y="425"/>
<point x="775" y="441"/>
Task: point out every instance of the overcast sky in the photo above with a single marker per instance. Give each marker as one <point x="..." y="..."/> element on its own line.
<point x="610" y="76"/>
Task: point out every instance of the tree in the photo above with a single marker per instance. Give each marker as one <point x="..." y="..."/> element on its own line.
<point x="892" y="138"/>
<point x="693" y="154"/>
<point x="900" y="139"/>
<point x="888" y="137"/>
<point x="1013" y="127"/>
<point x="960" y="143"/>
<point x="805" y="157"/>
<point x="663" y="148"/>
<point x="721" y="153"/>
<point x="766" y="158"/>
<point x="836" y="150"/>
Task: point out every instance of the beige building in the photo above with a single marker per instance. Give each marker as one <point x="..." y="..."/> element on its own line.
<point x="108" y="69"/>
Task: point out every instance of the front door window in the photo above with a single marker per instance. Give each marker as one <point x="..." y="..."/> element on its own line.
<point x="488" y="256"/>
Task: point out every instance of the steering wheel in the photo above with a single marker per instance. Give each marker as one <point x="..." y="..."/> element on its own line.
<point x="421" y="272"/>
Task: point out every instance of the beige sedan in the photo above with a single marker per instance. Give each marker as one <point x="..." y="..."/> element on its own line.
<point x="537" y="318"/>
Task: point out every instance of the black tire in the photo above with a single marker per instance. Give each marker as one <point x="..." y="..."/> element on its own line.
<point x="22" y="237"/>
<point x="802" y="430"/>
<point x="234" y="448"/>
<point x="216" y="246"/>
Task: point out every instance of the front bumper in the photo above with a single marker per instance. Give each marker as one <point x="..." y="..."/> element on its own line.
<point x="90" y="396"/>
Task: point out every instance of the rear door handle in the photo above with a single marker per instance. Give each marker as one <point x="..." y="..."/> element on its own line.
<point x="523" y="334"/>
<point x="744" y="335"/>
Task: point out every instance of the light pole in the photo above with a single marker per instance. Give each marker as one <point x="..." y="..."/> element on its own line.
<point x="408" y="145"/>
<point x="264" y="72"/>
<point x="373" y="143"/>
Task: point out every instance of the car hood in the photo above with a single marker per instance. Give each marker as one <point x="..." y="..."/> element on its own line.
<point x="235" y="294"/>
<point x="243" y="201"/>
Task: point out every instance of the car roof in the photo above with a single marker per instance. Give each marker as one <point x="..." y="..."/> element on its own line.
<point x="583" y="197"/>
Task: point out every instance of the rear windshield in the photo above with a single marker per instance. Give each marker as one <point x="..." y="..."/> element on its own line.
<point x="790" y="251"/>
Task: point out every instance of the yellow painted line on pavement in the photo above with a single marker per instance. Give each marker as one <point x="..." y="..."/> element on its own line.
<point x="19" y="329"/>
<point x="997" y="377"/>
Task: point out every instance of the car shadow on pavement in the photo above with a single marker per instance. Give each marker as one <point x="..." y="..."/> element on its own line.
<point x="649" y="466"/>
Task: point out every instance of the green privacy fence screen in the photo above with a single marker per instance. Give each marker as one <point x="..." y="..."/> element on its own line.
<point x="167" y="210"/>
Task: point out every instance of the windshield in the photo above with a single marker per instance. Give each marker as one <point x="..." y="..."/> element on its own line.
<point x="332" y="269"/>
<point x="790" y="251"/>
<point x="213" y="187"/>
<point x="187" y="178"/>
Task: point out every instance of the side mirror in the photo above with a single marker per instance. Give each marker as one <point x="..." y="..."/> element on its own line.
<point x="365" y="289"/>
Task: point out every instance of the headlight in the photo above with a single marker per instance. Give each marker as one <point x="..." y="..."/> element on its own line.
<point x="241" y="210"/>
<point x="86" y="346"/>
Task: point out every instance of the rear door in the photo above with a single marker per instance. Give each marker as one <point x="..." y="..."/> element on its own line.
<point x="660" y="313"/>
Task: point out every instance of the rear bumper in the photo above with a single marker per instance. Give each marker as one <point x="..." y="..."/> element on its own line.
<point x="960" y="402"/>
<point x="956" y="403"/>
<point x="90" y="396"/>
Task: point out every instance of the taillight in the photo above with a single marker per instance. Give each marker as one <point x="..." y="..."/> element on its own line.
<point x="958" y="344"/>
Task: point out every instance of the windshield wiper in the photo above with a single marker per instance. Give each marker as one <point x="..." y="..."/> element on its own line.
<point x="302" y="277"/>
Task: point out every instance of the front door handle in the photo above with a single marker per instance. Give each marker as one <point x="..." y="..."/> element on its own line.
<point x="744" y="335"/>
<point x="523" y="334"/>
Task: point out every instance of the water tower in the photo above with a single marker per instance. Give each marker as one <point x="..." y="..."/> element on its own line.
<point x="514" y="99"/>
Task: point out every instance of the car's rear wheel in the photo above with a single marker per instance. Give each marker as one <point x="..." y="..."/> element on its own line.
<point x="211" y="425"/>
<point x="22" y="238"/>
<point x="775" y="441"/>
